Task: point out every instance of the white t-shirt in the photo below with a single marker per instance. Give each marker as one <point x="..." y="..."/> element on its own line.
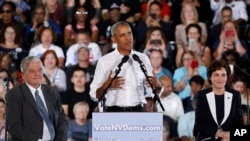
<point x="39" y="50"/>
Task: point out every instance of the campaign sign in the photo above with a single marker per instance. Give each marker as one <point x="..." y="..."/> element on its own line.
<point x="127" y="126"/>
<point x="240" y="133"/>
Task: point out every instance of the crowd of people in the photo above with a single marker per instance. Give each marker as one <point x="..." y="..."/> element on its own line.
<point x="144" y="55"/>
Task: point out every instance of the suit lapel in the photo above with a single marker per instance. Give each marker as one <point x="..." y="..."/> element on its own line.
<point x="28" y="95"/>
<point x="211" y="104"/>
<point x="227" y="105"/>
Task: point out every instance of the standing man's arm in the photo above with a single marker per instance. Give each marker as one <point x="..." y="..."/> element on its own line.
<point x="14" y="118"/>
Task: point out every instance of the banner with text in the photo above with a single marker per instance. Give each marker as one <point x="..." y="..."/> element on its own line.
<point x="127" y="127"/>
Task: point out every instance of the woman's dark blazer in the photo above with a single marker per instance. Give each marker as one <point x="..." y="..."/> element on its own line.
<point x="205" y="114"/>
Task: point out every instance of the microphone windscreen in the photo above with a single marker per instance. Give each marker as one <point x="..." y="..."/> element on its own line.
<point x="125" y="58"/>
<point x="135" y="57"/>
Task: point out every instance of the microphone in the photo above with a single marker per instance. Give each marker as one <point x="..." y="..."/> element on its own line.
<point x="144" y="70"/>
<point x="136" y="58"/>
<point x="124" y="60"/>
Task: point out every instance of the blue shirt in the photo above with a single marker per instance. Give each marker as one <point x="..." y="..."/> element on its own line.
<point x="179" y="75"/>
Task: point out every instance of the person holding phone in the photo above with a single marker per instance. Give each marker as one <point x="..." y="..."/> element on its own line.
<point x="153" y="19"/>
<point x="202" y="52"/>
<point x="183" y="74"/>
<point x="229" y="40"/>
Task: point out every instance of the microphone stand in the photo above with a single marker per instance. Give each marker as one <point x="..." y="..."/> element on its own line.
<point x="156" y="97"/>
<point x="102" y="98"/>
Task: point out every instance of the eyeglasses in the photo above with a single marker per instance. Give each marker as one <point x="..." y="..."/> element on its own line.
<point x="187" y="59"/>
<point x="5" y="11"/>
<point x="82" y="12"/>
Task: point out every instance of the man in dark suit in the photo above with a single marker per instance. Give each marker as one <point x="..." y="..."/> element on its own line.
<point x="26" y="120"/>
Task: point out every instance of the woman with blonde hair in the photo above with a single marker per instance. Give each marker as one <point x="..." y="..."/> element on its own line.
<point x="188" y="15"/>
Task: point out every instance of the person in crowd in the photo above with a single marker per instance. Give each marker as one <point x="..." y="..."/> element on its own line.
<point x="229" y="40"/>
<point x="183" y="74"/>
<point x="196" y="84"/>
<point x="125" y="93"/>
<point x="80" y="129"/>
<point x="150" y="105"/>
<point x="130" y="10"/>
<point x="214" y="34"/>
<point x="22" y="11"/>
<point x="166" y="131"/>
<point x="47" y="37"/>
<point x="238" y="8"/>
<point x="237" y="66"/>
<point x="39" y="21"/>
<point x="239" y="83"/>
<point x="156" y="58"/>
<point x="8" y="81"/>
<point x="153" y="19"/>
<point x="7" y="63"/>
<point x="245" y="110"/>
<point x="8" y="10"/>
<point x="11" y="43"/>
<point x="188" y="15"/>
<point x="105" y="26"/>
<point x="93" y="7"/>
<point x="202" y="7"/>
<point x="83" y="39"/>
<point x="165" y="13"/>
<point x="155" y="39"/>
<point x="185" y="125"/>
<point x="79" y="92"/>
<point x="217" y="107"/>
<point x="55" y="11"/>
<point x="56" y="75"/>
<point x="3" y="89"/>
<point x="2" y="119"/>
<point x="83" y="62"/>
<point x="81" y="21"/>
<point x="194" y="37"/>
<point x="170" y="100"/>
<point x="40" y="116"/>
<point x="10" y="38"/>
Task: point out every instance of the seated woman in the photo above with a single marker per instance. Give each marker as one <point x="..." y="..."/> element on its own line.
<point x="239" y="83"/>
<point x="56" y="75"/>
<point x="188" y="15"/>
<point x="81" y="21"/>
<point x="202" y="52"/>
<point x="156" y="58"/>
<point x="229" y="40"/>
<point x="155" y="39"/>
<point x="80" y="129"/>
<point x="183" y="74"/>
<point x="47" y="37"/>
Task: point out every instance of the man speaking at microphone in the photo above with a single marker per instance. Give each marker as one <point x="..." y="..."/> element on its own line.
<point x="120" y="77"/>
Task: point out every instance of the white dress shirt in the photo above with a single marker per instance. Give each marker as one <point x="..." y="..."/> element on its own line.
<point x="46" y="135"/>
<point x="133" y="91"/>
<point x="238" y="8"/>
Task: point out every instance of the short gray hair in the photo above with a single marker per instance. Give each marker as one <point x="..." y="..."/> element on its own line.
<point x="81" y="104"/>
<point x="26" y="62"/>
<point x="116" y="25"/>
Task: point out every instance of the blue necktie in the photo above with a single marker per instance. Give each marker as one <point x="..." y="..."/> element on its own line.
<point x="44" y="114"/>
